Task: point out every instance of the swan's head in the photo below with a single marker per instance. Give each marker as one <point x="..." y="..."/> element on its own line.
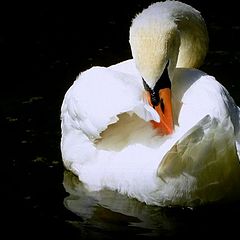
<point x="155" y="42"/>
<point x="154" y="48"/>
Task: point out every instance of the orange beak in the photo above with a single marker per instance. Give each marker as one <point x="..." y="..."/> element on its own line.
<point x="164" y="109"/>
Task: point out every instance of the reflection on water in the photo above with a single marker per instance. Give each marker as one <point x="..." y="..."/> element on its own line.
<point x="107" y="214"/>
<point x="113" y="212"/>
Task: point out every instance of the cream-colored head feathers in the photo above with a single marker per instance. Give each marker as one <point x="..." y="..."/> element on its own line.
<point x="167" y="31"/>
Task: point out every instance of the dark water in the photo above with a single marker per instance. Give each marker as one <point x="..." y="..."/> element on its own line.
<point x="43" y="49"/>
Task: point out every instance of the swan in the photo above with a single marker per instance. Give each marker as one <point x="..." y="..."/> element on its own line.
<point x="155" y="128"/>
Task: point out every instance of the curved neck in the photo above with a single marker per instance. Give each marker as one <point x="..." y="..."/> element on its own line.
<point x="193" y="37"/>
<point x="167" y="31"/>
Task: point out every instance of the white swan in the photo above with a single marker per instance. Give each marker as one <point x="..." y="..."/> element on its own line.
<point x="174" y="143"/>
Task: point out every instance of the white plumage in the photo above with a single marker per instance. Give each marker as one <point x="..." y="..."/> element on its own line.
<point x="108" y="141"/>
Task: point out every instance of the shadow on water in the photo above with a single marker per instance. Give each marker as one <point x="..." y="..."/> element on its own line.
<point x="43" y="49"/>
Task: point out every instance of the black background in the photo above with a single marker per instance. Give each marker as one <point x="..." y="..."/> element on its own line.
<point x="43" y="47"/>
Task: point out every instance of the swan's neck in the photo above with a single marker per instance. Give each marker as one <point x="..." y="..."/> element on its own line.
<point x="193" y="35"/>
<point x="171" y="32"/>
